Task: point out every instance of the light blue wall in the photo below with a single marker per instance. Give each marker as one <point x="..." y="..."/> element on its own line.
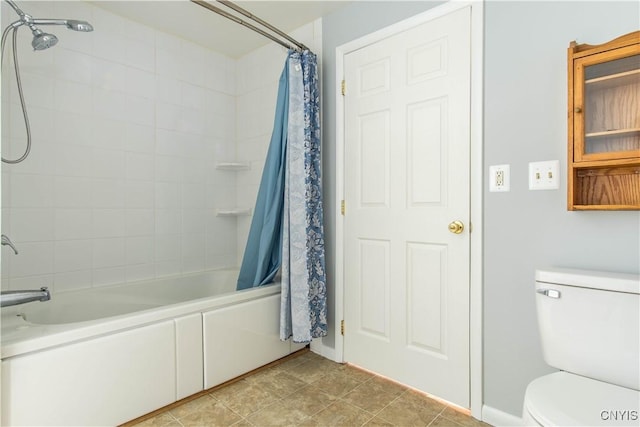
<point x="524" y="120"/>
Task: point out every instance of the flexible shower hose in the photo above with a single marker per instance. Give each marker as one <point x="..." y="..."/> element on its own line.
<point x="19" y="83"/>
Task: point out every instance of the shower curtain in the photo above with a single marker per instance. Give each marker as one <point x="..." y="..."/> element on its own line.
<point x="262" y="253"/>
<point x="293" y="161"/>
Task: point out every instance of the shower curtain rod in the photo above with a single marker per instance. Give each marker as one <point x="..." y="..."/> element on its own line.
<point x="296" y="45"/>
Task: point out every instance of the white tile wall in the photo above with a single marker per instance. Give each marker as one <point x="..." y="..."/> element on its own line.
<point x="128" y="123"/>
<point x="118" y="184"/>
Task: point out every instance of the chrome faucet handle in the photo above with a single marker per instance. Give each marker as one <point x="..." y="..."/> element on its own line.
<point x="6" y="241"/>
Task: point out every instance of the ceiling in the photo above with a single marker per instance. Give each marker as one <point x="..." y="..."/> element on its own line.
<point x="195" y="23"/>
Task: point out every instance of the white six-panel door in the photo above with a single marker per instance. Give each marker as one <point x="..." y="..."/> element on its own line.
<point x="406" y="177"/>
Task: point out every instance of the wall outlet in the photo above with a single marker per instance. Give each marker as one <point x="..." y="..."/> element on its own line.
<point x="544" y="175"/>
<point x="499" y="178"/>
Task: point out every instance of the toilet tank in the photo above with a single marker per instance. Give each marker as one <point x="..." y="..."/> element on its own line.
<point x="589" y="323"/>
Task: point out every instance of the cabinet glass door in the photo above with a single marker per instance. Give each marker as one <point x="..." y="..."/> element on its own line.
<point x="611" y="113"/>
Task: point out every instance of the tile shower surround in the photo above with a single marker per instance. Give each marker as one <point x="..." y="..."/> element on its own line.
<point x="128" y="124"/>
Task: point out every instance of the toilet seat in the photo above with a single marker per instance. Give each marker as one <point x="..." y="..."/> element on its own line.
<point x="564" y="399"/>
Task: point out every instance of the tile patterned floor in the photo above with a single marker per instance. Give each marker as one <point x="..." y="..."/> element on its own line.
<point x="310" y="390"/>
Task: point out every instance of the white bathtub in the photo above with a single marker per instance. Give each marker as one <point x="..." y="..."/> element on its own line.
<point x="107" y="355"/>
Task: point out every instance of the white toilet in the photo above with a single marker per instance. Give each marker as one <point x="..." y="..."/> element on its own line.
<point x="590" y="329"/>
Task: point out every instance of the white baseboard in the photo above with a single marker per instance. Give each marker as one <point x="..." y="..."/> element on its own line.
<point x="319" y="348"/>
<point x="497" y="418"/>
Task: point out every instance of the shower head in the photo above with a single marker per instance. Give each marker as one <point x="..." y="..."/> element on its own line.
<point x="71" y="24"/>
<point x="74" y="25"/>
<point x="42" y="40"/>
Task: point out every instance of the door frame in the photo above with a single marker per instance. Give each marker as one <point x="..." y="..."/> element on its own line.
<point x="476" y="184"/>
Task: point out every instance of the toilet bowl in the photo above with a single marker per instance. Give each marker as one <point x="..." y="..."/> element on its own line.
<point x="589" y="329"/>
<point x="564" y="399"/>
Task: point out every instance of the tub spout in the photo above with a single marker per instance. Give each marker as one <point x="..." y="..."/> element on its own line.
<point x="8" y="242"/>
<point x="8" y="298"/>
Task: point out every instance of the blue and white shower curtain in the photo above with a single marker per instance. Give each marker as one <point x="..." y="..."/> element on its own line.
<point x="303" y="312"/>
<point x="292" y="171"/>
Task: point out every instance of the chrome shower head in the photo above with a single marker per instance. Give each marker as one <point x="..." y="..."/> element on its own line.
<point x="42" y="40"/>
<point x="74" y="25"/>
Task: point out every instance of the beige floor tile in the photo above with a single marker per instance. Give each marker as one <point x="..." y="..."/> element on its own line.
<point x="309" y="355"/>
<point x="411" y="409"/>
<point x="340" y="414"/>
<point x="197" y="405"/>
<point x="355" y="373"/>
<point x="378" y="422"/>
<point x="338" y="395"/>
<point x="211" y="416"/>
<point x="277" y="414"/>
<point x="387" y="386"/>
<point x="337" y="383"/>
<point x="314" y="369"/>
<point x="369" y="396"/>
<point x="277" y="383"/>
<point x="309" y="400"/>
<point x="290" y="363"/>
<point x="244" y="397"/>
<point x="441" y="421"/>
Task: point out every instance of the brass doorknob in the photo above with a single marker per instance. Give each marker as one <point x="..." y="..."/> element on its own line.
<point x="456" y="227"/>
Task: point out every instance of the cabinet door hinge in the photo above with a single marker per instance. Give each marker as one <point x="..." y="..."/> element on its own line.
<point x="343" y="87"/>
<point x="342" y="207"/>
<point x="342" y="327"/>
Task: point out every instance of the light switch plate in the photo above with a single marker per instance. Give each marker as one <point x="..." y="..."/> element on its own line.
<point x="499" y="178"/>
<point x="544" y="175"/>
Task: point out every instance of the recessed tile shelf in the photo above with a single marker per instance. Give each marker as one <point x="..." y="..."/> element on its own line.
<point x="234" y="212"/>
<point x="233" y="166"/>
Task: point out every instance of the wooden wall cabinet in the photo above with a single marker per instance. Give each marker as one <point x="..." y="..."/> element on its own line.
<point x="604" y="125"/>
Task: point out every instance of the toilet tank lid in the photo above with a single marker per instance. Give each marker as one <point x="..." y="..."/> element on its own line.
<point x="606" y="280"/>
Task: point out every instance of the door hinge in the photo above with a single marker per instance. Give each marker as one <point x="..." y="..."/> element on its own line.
<point x="343" y="87"/>
<point x="342" y="207"/>
<point x="342" y="327"/>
